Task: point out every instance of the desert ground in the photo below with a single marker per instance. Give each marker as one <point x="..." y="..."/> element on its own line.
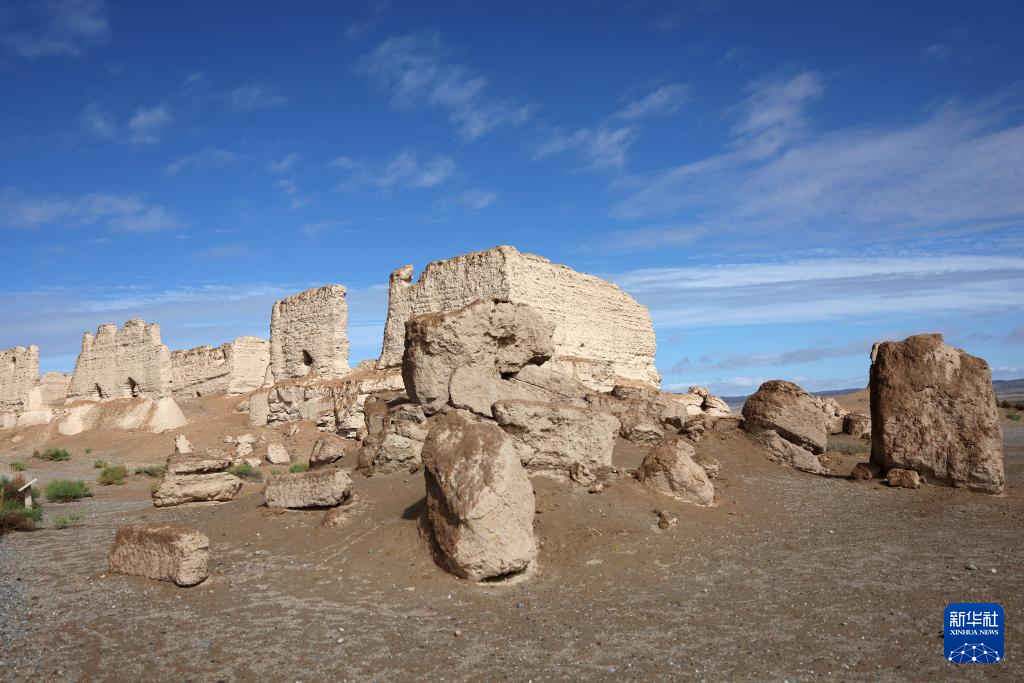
<point x="790" y="576"/>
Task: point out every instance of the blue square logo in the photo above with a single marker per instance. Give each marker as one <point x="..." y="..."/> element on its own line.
<point x="974" y="633"/>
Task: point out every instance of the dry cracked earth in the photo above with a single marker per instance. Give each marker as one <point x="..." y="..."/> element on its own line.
<point x="789" y="577"/>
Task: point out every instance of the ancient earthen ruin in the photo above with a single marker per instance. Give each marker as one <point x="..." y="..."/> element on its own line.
<point x="236" y="367"/>
<point x="600" y="331"/>
<point x="122" y="363"/>
<point x="308" y="334"/>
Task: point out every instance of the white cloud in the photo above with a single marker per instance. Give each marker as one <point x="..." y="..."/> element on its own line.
<point x="954" y="168"/>
<point x="147" y="125"/>
<point x="317" y="228"/>
<point x="821" y="288"/>
<point x="254" y="96"/>
<point x="290" y="189"/>
<point x="358" y="28"/>
<point x="664" y="101"/>
<point x="97" y="121"/>
<point x="418" y="72"/>
<point x="208" y="157"/>
<point x="405" y="169"/>
<point x="284" y="165"/>
<point x="601" y="148"/>
<point x="127" y="213"/>
<point x="470" y="200"/>
<point x="41" y="28"/>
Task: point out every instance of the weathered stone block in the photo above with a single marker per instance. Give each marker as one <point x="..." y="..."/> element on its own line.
<point x="165" y="552"/>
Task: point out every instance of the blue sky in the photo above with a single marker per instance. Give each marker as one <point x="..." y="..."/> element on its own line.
<point x="781" y="183"/>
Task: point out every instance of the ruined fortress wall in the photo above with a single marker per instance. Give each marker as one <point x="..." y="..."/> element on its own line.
<point x="595" y="321"/>
<point x="234" y="368"/>
<point x="122" y="363"/>
<point x="19" y="370"/>
<point x="309" y="334"/>
<point x="250" y="358"/>
<point x="53" y="388"/>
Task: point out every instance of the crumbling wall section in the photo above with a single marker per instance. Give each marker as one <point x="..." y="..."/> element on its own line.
<point x="19" y="370"/>
<point x="308" y="334"/>
<point x="234" y="368"/>
<point x="122" y="363"/>
<point x="596" y="323"/>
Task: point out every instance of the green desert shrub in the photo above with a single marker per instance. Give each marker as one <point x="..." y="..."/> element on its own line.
<point x="68" y="520"/>
<point x="56" y="454"/>
<point x="19" y="466"/>
<point x="847" y="447"/>
<point x="14" y="516"/>
<point x="66" y="490"/>
<point x="150" y="470"/>
<point x="1013" y="416"/>
<point x="245" y="471"/>
<point x="113" y="474"/>
<point x="299" y="467"/>
<point x="100" y="464"/>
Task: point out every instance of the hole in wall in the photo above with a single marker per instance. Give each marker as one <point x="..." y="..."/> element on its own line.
<point x="133" y="386"/>
<point x="307" y="359"/>
<point x="97" y="391"/>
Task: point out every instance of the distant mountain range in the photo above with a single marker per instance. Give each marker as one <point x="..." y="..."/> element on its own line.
<point x="1006" y="390"/>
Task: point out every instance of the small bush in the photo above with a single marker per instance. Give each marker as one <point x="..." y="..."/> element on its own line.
<point x="1013" y="416"/>
<point x="299" y="467"/>
<point x="55" y="454"/>
<point x="68" y="520"/>
<point x="245" y="471"/>
<point x="19" y="466"/>
<point x="150" y="470"/>
<point x="13" y="514"/>
<point x="65" y="490"/>
<point x="100" y="464"/>
<point x="112" y="475"/>
<point x="88" y="451"/>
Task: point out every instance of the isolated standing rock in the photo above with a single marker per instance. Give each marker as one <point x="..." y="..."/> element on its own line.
<point x="196" y="488"/>
<point x="790" y="412"/>
<point x="480" y="502"/>
<point x="165" y="552"/>
<point x="277" y="454"/>
<point x="933" y="410"/>
<point x="182" y="445"/>
<point x="670" y="469"/>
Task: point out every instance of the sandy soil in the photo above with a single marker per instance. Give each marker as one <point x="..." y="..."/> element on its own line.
<point x="789" y="577"/>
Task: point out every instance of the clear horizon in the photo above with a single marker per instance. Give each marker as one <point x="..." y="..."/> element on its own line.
<point x="781" y="186"/>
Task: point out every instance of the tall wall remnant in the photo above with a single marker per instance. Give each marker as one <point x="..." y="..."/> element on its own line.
<point x="234" y="368"/>
<point x="601" y="333"/>
<point x="122" y="363"/>
<point x="308" y="334"/>
<point x="19" y="370"/>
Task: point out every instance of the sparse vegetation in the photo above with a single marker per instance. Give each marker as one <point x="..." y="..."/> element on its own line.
<point x="150" y="470"/>
<point x="99" y="464"/>
<point x="299" y="467"/>
<point x="14" y="516"/>
<point x="112" y="475"/>
<point x="19" y="466"/>
<point x="68" y="520"/>
<point x="245" y="471"/>
<point x="88" y="451"/>
<point x="1013" y="416"/>
<point x="66" y="490"/>
<point x="1009" y="405"/>
<point x="847" y="447"/>
<point x="54" y="454"/>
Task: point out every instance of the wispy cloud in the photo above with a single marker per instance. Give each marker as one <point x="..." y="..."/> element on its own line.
<point x="405" y="169"/>
<point x="948" y="44"/>
<point x="255" y="96"/>
<point x="222" y="251"/>
<point x="663" y="101"/>
<point x="822" y="288"/>
<point x="148" y="124"/>
<point x="955" y="167"/>
<point x="601" y="148"/>
<point x="127" y="213"/>
<point x="360" y="27"/>
<point x="284" y="165"/>
<point x="54" y="27"/>
<point x="205" y="158"/>
<point x="809" y="354"/>
<point x="317" y="228"/>
<point x="97" y="121"/>
<point x="470" y="200"/>
<point x="290" y="189"/>
<point x="419" y="71"/>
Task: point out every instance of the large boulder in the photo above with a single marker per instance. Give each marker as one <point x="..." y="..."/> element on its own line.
<point x="480" y="503"/>
<point x="790" y="412"/>
<point x="313" y="489"/>
<point x="645" y="414"/>
<point x="395" y="432"/>
<point x="176" y="489"/>
<point x="565" y="440"/>
<point x="857" y="424"/>
<point x="493" y="338"/>
<point x="834" y="415"/>
<point x="328" y="449"/>
<point x="670" y="469"/>
<point x="165" y="552"/>
<point x="933" y="411"/>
